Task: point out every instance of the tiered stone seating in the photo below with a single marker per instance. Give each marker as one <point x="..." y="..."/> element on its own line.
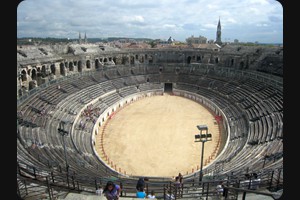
<point x="254" y="113"/>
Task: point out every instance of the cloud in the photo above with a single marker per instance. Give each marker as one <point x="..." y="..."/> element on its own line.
<point x="151" y="18"/>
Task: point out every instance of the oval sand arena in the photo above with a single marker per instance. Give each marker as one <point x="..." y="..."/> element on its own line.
<point x="155" y="136"/>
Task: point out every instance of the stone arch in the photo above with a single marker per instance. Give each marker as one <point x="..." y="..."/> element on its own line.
<point x="24" y="75"/>
<point x="124" y="60"/>
<point x="131" y="59"/>
<point x="114" y="60"/>
<point x="241" y="65"/>
<point x="79" y="66"/>
<point x="188" y="60"/>
<point x="43" y="71"/>
<point x="33" y="74"/>
<point x="71" y="66"/>
<point x="142" y="59"/>
<point x="62" y="69"/>
<point x="97" y="64"/>
<point x="217" y="60"/>
<point x="199" y="59"/>
<point x="53" y="69"/>
<point x="88" y="64"/>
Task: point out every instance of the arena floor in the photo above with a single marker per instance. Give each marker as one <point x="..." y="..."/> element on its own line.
<point x="154" y="136"/>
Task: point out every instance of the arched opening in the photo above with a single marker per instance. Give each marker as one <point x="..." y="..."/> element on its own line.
<point x="242" y="65"/>
<point x="88" y="64"/>
<point x="71" y="66"/>
<point x="114" y="60"/>
<point x="43" y="71"/>
<point x="105" y="60"/>
<point x="33" y="74"/>
<point x="216" y="60"/>
<point x="142" y="59"/>
<point x="199" y="59"/>
<point x="23" y="75"/>
<point x="79" y="66"/>
<point x="232" y="62"/>
<point x="189" y="60"/>
<point x="62" y="69"/>
<point x="124" y="59"/>
<point x="52" y="68"/>
<point x="97" y="64"/>
<point x="131" y="59"/>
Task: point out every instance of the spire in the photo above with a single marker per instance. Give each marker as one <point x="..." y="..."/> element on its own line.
<point x="218" y="38"/>
<point x="85" y="38"/>
<point x="219" y="24"/>
<point x="79" y="41"/>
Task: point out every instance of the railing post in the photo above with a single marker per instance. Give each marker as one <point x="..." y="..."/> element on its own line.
<point x="121" y="186"/>
<point x="207" y="190"/>
<point x="49" y="188"/>
<point x="278" y="179"/>
<point x="271" y="179"/>
<point x="34" y="172"/>
<point x="73" y="181"/>
<point x="26" y="191"/>
<point x="52" y="177"/>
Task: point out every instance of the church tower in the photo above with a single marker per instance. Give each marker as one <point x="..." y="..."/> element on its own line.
<point x="218" y="39"/>
<point x="85" y="38"/>
<point x="79" y="39"/>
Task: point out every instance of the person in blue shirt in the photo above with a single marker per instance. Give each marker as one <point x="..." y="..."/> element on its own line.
<point x="141" y="194"/>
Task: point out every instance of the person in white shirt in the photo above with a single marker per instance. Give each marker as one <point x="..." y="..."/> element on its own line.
<point x="151" y="195"/>
<point x="99" y="191"/>
<point x="220" y="189"/>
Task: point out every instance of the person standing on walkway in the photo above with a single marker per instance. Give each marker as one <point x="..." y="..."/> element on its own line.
<point x="112" y="191"/>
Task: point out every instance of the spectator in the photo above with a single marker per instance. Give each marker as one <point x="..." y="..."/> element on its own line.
<point x="99" y="190"/>
<point x="112" y="191"/>
<point x="220" y="189"/>
<point x="169" y="196"/>
<point x="141" y="194"/>
<point x="151" y="195"/>
<point x="254" y="182"/>
<point x="178" y="184"/>
<point x="180" y="178"/>
<point x="141" y="184"/>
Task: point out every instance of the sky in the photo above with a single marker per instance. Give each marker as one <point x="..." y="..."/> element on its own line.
<point x="246" y="20"/>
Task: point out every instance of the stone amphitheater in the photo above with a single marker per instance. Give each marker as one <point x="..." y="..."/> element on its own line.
<point x="68" y="94"/>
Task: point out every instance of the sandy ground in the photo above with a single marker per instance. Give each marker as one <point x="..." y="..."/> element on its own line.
<point x="155" y="136"/>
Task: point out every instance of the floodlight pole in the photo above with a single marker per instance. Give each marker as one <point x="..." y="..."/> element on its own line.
<point x="202" y="138"/>
<point x="201" y="165"/>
